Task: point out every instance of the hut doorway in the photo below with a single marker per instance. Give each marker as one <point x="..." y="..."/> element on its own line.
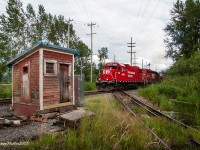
<point x="64" y="82"/>
<point x="25" y="84"/>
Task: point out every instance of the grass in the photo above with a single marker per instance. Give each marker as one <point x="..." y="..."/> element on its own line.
<point x="181" y="84"/>
<point x="175" y="135"/>
<point x="5" y="91"/>
<point x="172" y="133"/>
<point x="90" y="86"/>
<point x="161" y="93"/>
<point x="112" y="127"/>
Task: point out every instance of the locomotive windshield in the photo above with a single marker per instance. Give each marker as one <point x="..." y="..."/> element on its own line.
<point x="112" y="67"/>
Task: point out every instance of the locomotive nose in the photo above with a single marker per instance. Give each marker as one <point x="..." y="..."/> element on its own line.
<point x="105" y="75"/>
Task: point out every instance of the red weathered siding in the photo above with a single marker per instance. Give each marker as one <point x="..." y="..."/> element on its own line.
<point x="33" y="62"/>
<point x="51" y="89"/>
<point x="22" y="109"/>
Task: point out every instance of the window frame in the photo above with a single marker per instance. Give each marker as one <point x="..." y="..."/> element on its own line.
<point x="55" y="67"/>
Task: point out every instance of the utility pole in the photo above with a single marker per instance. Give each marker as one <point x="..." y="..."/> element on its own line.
<point x="142" y="63"/>
<point x="91" y="26"/>
<point x="131" y="46"/>
<point x="134" y="58"/>
<point x="68" y="37"/>
<point x="114" y="57"/>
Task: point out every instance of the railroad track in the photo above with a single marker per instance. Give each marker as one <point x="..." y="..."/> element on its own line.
<point x="5" y="101"/>
<point x="128" y="101"/>
<point x="87" y="93"/>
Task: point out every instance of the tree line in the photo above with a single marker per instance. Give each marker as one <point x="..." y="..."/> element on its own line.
<point x="183" y="30"/>
<point x="22" y="27"/>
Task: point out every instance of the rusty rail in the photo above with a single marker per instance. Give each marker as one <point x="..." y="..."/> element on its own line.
<point x="87" y="93"/>
<point x="149" y="129"/>
<point x="157" y="113"/>
<point x="5" y="101"/>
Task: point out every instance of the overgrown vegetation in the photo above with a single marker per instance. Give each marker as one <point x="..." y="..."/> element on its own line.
<point x="110" y="128"/>
<point x="5" y="91"/>
<point x="174" y="135"/>
<point x="90" y="86"/>
<point x="180" y="90"/>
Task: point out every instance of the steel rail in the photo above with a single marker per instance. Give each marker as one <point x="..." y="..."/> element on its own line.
<point x="87" y="93"/>
<point x="5" y="101"/>
<point x="149" y="129"/>
<point x="157" y="113"/>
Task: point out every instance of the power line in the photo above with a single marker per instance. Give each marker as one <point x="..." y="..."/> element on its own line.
<point x="85" y="9"/>
<point x="79" y="7"/>
<point x="137" y="17"/>
<point x="147" y="22"/>
<point x="153" y="12"/>
<point x="111" y="41"/>
<point x="75" y="12"/>
<point x="141" y="17"/>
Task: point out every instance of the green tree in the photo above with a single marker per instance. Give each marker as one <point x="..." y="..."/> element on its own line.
<point x="21" y="28"/>
<point x="102" y="55"/>
<point x="183" y="30"/>
<point x="84" y="59"/>
<point x="4" y="57"/>
<point x="30" y="28"/>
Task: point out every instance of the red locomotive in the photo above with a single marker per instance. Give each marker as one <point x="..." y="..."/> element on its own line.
<point x="122" y="76"/>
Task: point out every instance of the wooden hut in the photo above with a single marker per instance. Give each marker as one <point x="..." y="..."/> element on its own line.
<point x="42" y="78"/>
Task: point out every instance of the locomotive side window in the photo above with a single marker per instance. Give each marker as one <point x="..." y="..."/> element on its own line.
<point x="123" y="69"/>
<point x="118" y="69"/>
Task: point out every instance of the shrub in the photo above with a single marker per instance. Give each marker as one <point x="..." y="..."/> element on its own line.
<point x="5" y="91"/>
<point x="89" y="86"/>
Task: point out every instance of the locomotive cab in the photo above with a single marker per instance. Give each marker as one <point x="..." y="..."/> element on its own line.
<point x="107" y="77"/>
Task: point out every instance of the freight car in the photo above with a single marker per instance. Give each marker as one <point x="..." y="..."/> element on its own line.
<point x="123" y="76"/>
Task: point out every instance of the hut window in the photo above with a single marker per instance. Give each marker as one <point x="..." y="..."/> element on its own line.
<point x="50" y="67"/>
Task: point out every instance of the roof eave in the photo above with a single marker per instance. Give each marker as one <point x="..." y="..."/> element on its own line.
<point x="42" y="45"/>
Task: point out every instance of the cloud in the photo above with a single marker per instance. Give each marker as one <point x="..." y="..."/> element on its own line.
<point x="116" y="22"/>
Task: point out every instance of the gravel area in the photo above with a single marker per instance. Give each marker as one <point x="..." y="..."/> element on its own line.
<point x="5" y="110"/>
<point x="24" y="132"/>
<point x="28" y="130"/>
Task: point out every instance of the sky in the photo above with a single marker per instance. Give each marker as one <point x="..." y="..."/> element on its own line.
<point x="116" y="22"/>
